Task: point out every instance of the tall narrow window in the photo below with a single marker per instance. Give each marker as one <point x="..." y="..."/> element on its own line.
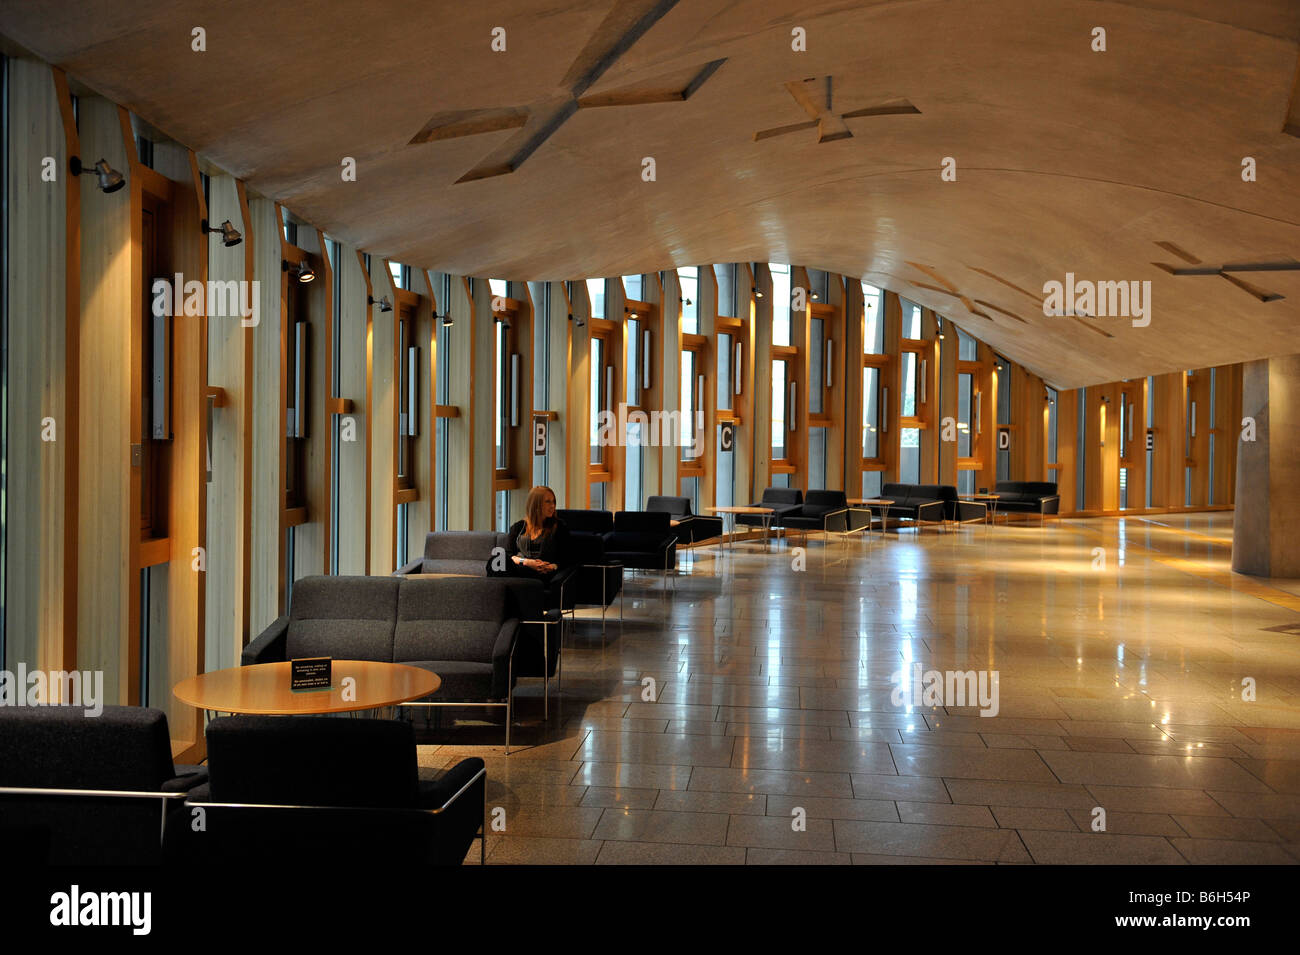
<point x="499" y="288"/>
<point x="634" y="287"/>
<point x="910" y="366"/>
<point x="778" y="410"/>
<point x="816" y="368"/>
<point x="596" y="292"/>
<point x="726" y="277"/>
<point x="725" y="384"/>
<point x="444" y="398"/>
<point x="689" y="278"/>
<point x="873" y="319"/>
<point x="780" y="303"/>
<point x="689" y="403"/>
<point x="597" y="374"/>
<point x="911" y="319"/>
<point x="870" y="413"/>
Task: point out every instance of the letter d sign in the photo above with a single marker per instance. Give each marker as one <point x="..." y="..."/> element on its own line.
<point x="1004" y="440"/>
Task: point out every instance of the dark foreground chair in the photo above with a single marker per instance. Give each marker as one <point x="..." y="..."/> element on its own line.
<point x="782" y="501"/>
<point x="643" y="540"/>
<point x="318" y="790"/>
<point x="79" y="790"/>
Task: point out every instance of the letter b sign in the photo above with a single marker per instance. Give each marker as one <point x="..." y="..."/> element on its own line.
<point x="539" y="437"/>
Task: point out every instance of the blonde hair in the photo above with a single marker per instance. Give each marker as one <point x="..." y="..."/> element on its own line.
<point x="533" y="517"/>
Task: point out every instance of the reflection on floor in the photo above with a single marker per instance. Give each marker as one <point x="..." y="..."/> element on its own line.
<point x="769" y="712"/>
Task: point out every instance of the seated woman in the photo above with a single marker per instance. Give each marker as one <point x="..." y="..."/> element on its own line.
<point x="538" y="546"/>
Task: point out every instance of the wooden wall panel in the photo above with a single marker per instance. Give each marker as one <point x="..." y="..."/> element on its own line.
<point x="104" y="514"/>
<point x="1227" y="429"/>
<point x="354" y="515"/>
<point x="266" y="540"/>
<point x="226" y="560"/>
<point x="383" y="507"/>
<point x="37" y="373"/>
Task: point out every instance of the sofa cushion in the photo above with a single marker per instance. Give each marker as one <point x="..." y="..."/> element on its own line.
<point x="450" y="619"/>
<point x="781" y="496"/>
<point x="348" y="618"/>
<point x="59" y="747"/>
<point x="312" y="761"/>
<point x="470" y="568"/>
<point x="674" y="507"/>
<point x="643" y="522"/>
<point x="461" y="679"/>
<point x="587" y="522"/>
<point x="468" y="546"/>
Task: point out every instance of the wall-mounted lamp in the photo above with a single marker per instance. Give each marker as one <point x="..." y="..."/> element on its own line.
<point x="384" y="304"/>
<point x="229" y="234"/>
<point x="578" y="323"/>
<point x="447" y="320"/>
<point x="938" y="325"/>
<point x="303" y="272"/>
<point x="687" y="301"/>
<point x="757" y="292"/>
<point x="110" y="180"/>
<point x="632" y="316"/>
<point x="815" y="296"/>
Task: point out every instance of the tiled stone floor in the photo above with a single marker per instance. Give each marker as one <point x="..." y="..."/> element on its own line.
<point x="1120" y="687"/>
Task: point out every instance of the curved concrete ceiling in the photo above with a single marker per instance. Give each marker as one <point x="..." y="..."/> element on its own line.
<point x="528" y="163"/>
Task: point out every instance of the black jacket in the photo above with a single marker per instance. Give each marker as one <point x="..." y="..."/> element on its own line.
<point x="555" y="549"/>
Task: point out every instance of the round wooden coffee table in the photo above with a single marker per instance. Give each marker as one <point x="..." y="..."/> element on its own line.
<point x="263" y="688"/>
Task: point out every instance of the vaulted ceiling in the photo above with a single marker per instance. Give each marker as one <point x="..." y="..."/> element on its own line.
<point x="527" y="163"/>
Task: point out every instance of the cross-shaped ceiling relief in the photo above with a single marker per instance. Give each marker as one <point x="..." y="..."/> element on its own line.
<point x="815" y="96"/>
<point x="1275" y="263"/>
<point x="537" y="122"/>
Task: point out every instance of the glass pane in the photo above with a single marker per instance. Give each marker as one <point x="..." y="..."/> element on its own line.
<point x="965" y="482"/>
<point x="632" y="287"/>
<point x="725" y="385"/>
<point x="967" y="347"/>
<point x="871" y="483"/>
<point x="911" y="319"/>
<point x="870" y="412"/>
<point x="778" y="410"/>
<point x="688" y="397"/>
<point x="498" y="287"/>
<point x="689" y="279"/>
<point x="780" y="480"/>
<point x="965" y="406"/>
<point x="633" y="375"/>
<point x="396" y="269"/>
<point x="691" y="489"/>
<point x="502" y="408"/>
<point x="909" y="464"/>
<point x="909" y="383"/>
<point x="633" y="457"/>
<point x="726" y="276"/>
<point x="597" y="397"/>
<point x="596" y="292"/>
<point x="725" y="492"/>
<point x="816" y="366"/>
<point x="817" y="458"/>
<point x="780" y="303"/>
<point x="873" y="342"/>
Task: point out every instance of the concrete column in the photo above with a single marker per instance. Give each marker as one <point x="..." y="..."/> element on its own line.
<point x="1266" y="522"/>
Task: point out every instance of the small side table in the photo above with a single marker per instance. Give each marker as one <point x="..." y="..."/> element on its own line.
<point x="884" y="503"/>
<point x="990" y="502"/>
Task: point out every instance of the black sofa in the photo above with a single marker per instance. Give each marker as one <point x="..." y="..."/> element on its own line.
<point x="1029" y="497"/>
<point x="928" y="503"/>
<point x="782" y="501"/>
<point x="691" y="528"/>
<point x="307" y="787"/>
<point x="464" y="629"/>
<point x="826" y="511"/>
<point x="125" y="750"/>
<point x="644" y="540"/>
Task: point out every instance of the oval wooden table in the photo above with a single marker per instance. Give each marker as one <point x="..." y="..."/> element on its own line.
<point x="263" y="688"/>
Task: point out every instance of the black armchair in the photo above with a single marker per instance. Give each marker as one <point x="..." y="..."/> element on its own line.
<point x="782" y="500"/>
<point x="302" y="786"/>
<point x="691" y="528"/>
<point x="122" y="757"/>
<point x="826" y="511"/>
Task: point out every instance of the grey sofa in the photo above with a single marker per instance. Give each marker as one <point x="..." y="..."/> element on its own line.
<point x="455" y="552"/>
<point x="464" y="629"/>
<point x="126" y="750"/>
